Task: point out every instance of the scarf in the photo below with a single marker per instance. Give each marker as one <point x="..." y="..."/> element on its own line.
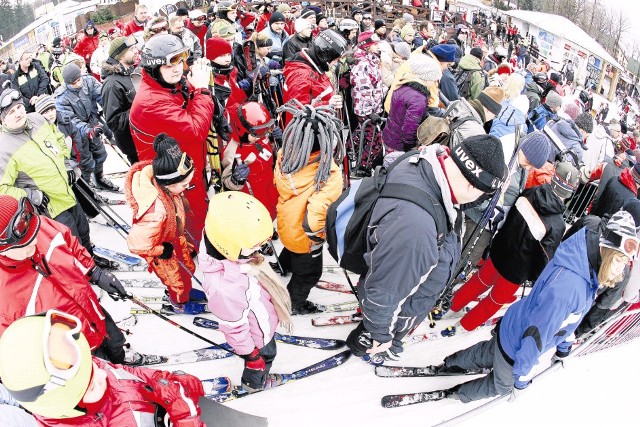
<point x="271" y="283"/>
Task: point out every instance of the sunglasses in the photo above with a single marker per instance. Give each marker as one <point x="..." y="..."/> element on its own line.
<point x="201" y="18"/>
<point x="60" y="337"/>
<point x="10" y="98"/>
<point x="18" y="226"/>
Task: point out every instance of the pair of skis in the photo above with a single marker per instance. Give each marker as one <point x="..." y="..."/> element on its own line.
<point x="317" y="343"/>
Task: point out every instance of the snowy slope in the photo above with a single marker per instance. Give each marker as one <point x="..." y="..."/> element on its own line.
<point x="349" y="395"/>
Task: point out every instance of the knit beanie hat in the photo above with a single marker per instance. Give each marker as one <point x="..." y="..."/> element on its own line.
<point x="319" y="18"/>
<point x="378" y="23"/>
<point x="635" y="171"/>
<point x="425" y="68"/>
<point x="491" y="98"/>
<point x="283" y="8"/>
<point x="170" y="165"/>
<point x="565" y="179"/>
<point x="216" y="47"/>
<point x="553" y="100"/>
<point x="620" y="234"/>
<point x="633" y="207"/>
<point x="444" y="52"/>
<point x="572" y="110"/>
<point x="302" y="24"/>
<point x="276" y="17"/>
<point x="8" y="208"/>
<point x="44" y="103"/>
<point x="504" y="68"/>
<point x="536" y="148"/>
<point x="403" y="49"/>
<point x="366" y="39"/>
<point x="182" y="11"/>
<point x="408" y="18"/>
<point x="307" y="13"/>
<point x="584" y="121"/>
<point x="70" y="73"/>
<point x="477" y="52"/>
<point x="481" y="160"/>
<point x="407" y="30"/>
<point x="115" y="48"/>
<point x="356" y="11"/>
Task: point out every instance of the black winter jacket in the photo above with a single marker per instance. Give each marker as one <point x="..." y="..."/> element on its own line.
<point x="530" y="235"/>
<point x="117" y="96"/>
<point x="32" y="83"/>
<point x="294" y="45"/>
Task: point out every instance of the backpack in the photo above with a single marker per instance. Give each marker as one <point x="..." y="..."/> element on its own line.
<point x="347" y="223"/>
<point x="444" y="130"/>
<point x="463" y="81"/>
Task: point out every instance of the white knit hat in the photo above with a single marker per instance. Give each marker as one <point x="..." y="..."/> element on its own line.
<point x="301" y="24"/>
<point x="425" y="67"/>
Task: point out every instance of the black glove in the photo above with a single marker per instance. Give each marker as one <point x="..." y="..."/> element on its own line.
<point x="167" y="251"/>
<point x="40" y="200"/>
<point x="108" y="282"/>
<point x="277" y="135"/>
<point x="240" y="174"/>
<point x="375" y="118"/>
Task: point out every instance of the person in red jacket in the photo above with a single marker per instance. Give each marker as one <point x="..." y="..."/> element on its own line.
<point x="265" y="16"/>
<point x="166" y="102"/>
<point x="248" y="158"/>
<point x="305" y="77"/>
<point x="88" y="44"/>
<point x="195" y="24"/>
<point x="43" y="266"/>
<point x="137" y="24"/>
<point x="46" y="365"/>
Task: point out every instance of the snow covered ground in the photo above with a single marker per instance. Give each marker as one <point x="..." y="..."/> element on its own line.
<point x="598" y="389"/>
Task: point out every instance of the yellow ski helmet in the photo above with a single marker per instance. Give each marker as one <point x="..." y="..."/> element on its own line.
<point x="236" y="221"/>
<point x="45" y="363"/>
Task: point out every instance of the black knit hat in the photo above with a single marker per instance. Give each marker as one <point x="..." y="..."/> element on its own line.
<point x="277" y="17"/>
<point x="481" y="160"/>
<point x="477" y="52"/>
<point x="378" y="23"/>
<point x="182" y="11"/>
<point x="171" y="165"/>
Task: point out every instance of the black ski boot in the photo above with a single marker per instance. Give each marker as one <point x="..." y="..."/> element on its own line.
<point x="276" y="267"/>
<point x="104" y="263"/>
<point x="306" y="307"/>
<point x="452" y="393"/>
<point x="102" y="183"/>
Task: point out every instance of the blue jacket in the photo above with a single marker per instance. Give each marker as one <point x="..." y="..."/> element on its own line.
<point x="540" y="116"/>
<point x="506" y="121"/>
<point x="547" y="318"/>
<point x="448" y="86"/>
<point x="81" y="105"/>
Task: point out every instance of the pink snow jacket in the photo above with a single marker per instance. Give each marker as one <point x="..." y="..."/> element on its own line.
<point x="238" y="303"/>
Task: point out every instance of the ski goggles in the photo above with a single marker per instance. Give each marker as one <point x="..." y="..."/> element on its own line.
<point x="20" y="225"/>
<point x="10" y="98"/>
<point x="128" y="42"/>
<point x="184" y="168"/>
<point x="177" y="58"/>
<point x="628" y="245"/>
<point x="61" y="354"/>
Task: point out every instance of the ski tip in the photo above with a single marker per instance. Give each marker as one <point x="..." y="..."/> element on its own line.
<point x="391" y="401"/>
<point x="384" y="371"/>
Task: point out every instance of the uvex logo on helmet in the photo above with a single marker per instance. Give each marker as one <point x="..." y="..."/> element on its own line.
<point x="468" y="162"/>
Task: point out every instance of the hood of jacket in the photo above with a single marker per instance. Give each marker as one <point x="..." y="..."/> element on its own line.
<point x="140" y="188"/>
<point x="111" y="66"/>
<point x="469" y="62"/>
<point x="567" y="131"/>
<point x="626" y="178"/>
<point x="545" y="201"/>
<point x="462" y="108"/>
<point x="572" y="255"/>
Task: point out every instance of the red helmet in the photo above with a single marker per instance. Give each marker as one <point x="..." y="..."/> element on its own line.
<point x="253" y="119"/>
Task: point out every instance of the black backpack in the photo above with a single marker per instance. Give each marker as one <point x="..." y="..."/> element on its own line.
<point x="348" y="217"/>
<point x="463" y="81"/>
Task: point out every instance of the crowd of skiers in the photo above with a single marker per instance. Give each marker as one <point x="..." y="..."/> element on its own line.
<point x="230" y="121"/>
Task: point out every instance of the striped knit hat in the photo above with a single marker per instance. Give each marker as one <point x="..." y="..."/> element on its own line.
<point x="565" y="180"/>
<point x="44" y="103"/>
<point x="620" y="234"/>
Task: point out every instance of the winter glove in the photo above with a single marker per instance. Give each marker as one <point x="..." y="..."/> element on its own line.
<point x="167" y="251"/>
<point x="40" y="200"/>
<point x="560" y="356"/>
<point x="178" y="393"/>
<point x="94" y="132"/>
<point x="375" y="118"/>
<point x="274" y="65"/>
<point x="254" y="360"/>
<point x="263" y="71"/>
<point x="108" y="282"/>
<point x="240" y="174"/>
<point x="73" y="175"/>
<point x="244" y="84"/>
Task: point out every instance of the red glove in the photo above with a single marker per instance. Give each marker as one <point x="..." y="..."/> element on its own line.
<point x="254" y="360"/>
<point x="178" y="393"/>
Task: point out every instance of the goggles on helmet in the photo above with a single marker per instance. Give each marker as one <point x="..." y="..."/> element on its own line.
<point x="10" y="98"/>
<point x="18" y="226"/>
<point x="59" y="341"/>
<point x="628" y="245"/>
<point x="177" y="58"/>
<point x="258" y="131"/>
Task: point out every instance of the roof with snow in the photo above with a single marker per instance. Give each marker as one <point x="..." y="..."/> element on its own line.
<point x="561" y="26"/>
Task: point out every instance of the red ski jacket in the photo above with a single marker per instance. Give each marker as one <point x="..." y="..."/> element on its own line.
<point x="86" y="46"/>
<point x="25" y="291"/>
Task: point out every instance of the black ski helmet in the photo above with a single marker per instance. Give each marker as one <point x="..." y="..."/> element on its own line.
<point x="328" y="45"/>
<point x="159" y="50"/>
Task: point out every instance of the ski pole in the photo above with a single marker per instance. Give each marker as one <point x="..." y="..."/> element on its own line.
<point x="117" y="150"/>
<point x="166" y="319"/>
<point x="120" y="229"/>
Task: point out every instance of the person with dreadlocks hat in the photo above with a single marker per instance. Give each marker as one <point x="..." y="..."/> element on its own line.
<point x="248" y="157"/>
<point x="246" y="297"/>
<point x="155" y="191"/>
<point x="308" y="181"/>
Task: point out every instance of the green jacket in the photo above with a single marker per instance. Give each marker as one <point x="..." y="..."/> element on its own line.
<point x="33" y="160"/>
<point x="478" y="79"/>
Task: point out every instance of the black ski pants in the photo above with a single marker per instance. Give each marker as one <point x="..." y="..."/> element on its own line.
<point x="77" y="221"/>
<point x="112" y="348"/>
<point x="306" y="270"/>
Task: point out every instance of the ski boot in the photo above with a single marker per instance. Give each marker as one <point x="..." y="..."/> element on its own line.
<point x="281" y="271"/>
<point x="384" y="356"/>
<point x="450" y="331"/>
<point x="133" y="358"/>
<point x="273" y="380"/>
<point x="267" y="250"/>
<point x="102" y="183"/>
<point x="306" y="307"/>
<point x="105" y="264"/>
<point x="189" y="307"/>
<point x="195" y="295"/>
